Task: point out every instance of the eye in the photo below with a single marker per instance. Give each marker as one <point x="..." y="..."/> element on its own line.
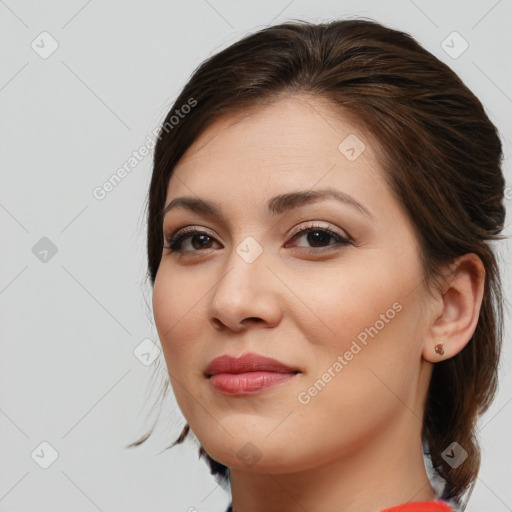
<point x="316" y="235"/>
<point x="199" y="240"/>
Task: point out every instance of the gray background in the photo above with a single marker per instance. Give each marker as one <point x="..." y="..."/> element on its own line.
<point x="72" y="320"/>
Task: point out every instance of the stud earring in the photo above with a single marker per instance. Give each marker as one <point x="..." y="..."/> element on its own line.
<point x="439" y="349"/>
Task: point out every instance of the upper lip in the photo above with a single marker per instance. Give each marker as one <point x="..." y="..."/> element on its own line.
<point x="246" y="363"/>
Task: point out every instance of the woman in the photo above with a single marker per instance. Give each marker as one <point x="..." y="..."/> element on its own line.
<point x="328" y="303"/>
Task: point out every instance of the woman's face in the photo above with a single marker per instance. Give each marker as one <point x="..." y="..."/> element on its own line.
<point x="345" y="316"/>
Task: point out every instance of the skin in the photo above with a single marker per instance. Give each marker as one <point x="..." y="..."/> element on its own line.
<point x="356" y="445"/>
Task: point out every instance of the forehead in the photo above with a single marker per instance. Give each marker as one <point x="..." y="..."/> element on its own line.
<point x="293" y="127"/>
<point x="296" y="142"/>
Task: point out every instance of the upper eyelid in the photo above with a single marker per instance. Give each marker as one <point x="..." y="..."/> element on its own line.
<point x="315" y="224"/>
<point x="301" y="227"/>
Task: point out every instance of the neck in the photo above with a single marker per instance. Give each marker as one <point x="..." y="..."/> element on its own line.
<point x="380" y="473"/>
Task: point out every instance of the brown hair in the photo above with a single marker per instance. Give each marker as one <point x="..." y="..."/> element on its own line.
<point x="441" y="156"/>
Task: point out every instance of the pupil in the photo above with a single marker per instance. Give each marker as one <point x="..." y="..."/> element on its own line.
<point x="320" y="236"/>
<point x="203" y="243"/>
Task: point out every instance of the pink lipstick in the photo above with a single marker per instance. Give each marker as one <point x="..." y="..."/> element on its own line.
<point x="248" y="374"/>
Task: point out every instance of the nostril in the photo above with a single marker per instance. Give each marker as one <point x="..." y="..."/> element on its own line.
<point x="217" y="324"/>
<point x="253" y="319"/>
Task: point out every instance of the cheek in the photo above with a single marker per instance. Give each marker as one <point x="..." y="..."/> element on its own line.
<point x="367" y="315"/>
<point x="341" y="303"/>
<point x="361" y="377"/>
<point x="177" y="309"/>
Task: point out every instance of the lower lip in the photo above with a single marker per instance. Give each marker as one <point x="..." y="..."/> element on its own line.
<point x="247" y="383"/>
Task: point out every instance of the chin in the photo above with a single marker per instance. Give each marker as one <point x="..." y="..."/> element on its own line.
<point x="254" y="456"/>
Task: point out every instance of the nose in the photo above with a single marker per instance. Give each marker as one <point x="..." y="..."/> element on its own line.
<point x="246" y="295"/>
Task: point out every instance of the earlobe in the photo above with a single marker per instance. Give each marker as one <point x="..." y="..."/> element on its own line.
<point x="435" y="352"/>
<point x="451" y="330"/>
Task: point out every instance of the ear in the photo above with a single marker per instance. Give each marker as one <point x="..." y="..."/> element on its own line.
<point x="457" y="308"/>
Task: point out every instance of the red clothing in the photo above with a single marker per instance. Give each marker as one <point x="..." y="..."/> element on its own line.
<point x="413" y="506"/>
<point x="420" y="506"/>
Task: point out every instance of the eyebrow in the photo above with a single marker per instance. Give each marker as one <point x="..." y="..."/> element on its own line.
<point x="275" y="206"/>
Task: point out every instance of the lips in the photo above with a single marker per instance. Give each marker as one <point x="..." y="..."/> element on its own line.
<point x="246" y="363"/>
<point x="247" y="375"/>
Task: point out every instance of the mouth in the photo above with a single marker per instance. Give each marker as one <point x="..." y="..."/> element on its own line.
<point x="247" y="375"/>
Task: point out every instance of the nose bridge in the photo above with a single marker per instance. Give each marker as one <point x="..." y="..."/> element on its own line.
<point x="245" y="268"/>
<point x="245" y="289"/>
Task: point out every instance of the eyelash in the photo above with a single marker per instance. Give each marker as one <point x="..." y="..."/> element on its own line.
<point x="180" y="235"/>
